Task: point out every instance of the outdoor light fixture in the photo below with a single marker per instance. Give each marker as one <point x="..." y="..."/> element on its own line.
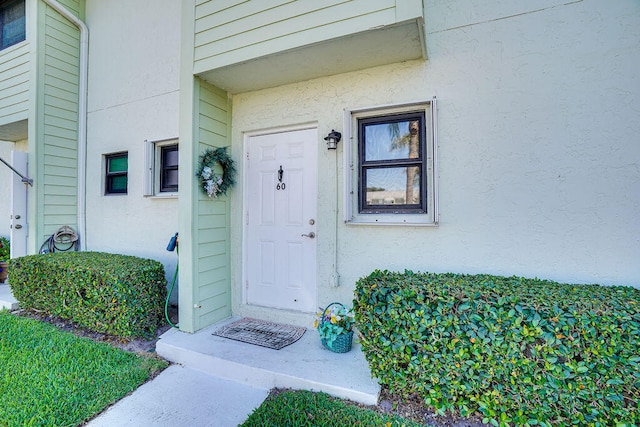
<point x="332" y="139"/>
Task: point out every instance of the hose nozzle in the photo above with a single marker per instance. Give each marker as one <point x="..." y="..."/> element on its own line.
<point x="173" y="243"/>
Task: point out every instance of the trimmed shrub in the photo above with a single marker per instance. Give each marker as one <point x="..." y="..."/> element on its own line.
<point x="115" y="294"/>
<point x="517" y="351"/>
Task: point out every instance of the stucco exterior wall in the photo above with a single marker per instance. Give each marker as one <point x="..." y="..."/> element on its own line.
<point x="539" y="161"/>
<point x="134" y="63"/>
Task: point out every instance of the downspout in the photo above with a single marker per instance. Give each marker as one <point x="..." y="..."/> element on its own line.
<point x="82" y="117"/>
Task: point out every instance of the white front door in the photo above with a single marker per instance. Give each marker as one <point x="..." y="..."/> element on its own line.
<point x="19" y="227"/>
<point x="280" y="220"/>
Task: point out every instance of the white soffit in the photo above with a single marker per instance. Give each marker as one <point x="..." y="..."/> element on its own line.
<point x="379" y="46"/>
<point x="15" y="131"/>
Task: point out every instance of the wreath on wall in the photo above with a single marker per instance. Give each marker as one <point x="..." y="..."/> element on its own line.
<point x="211" y="183"/>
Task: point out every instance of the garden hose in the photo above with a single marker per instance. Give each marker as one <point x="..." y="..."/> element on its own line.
<point x="65" y="235"/>
<point x="173" y="283"/>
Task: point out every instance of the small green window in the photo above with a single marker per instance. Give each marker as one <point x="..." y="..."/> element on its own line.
<point x="116" y="173"/>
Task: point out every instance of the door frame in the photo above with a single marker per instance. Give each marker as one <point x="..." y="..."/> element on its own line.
<point x="245" y="196"/>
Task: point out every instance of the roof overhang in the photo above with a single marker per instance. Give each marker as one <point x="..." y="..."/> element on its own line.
<point x="14" y="131"/>
<point x="399" y="42"/>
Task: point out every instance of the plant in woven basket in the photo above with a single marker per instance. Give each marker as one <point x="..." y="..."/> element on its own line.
<point x="335" y="327"/>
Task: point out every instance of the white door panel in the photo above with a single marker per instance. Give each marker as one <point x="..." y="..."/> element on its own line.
<point x="19" y="226"/>
<point x="281" y="208"/>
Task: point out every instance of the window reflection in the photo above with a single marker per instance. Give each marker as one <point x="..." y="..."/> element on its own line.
<point x="390" y="186"/>
<point x="391" y="141"/>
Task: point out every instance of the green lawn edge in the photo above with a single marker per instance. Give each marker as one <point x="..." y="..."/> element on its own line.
<point x="298" y="408"/>
<point x="51" y="377"/>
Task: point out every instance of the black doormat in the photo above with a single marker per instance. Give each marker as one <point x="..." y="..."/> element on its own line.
<point x="262" y="333"/>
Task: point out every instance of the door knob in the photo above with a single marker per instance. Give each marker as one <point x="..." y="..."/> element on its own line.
<point x="18" y="226"/>
<point x="310" y="235"/>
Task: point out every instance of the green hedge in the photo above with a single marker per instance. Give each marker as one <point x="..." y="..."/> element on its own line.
<point x="517" y="351"/>
<point x="115" y="294"/>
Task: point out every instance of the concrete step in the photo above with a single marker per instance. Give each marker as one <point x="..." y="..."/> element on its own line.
<point x="304" y="365"/>
<point x="6" y="298"/>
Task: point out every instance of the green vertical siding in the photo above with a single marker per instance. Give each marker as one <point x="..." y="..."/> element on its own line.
<point x="57" y="119"/>
<point x="14" y="84"/>
<point x="212" y="275"/>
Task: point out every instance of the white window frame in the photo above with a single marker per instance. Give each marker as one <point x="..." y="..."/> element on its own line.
<point x="153" y="167"/>
<point x="351" y="166"/>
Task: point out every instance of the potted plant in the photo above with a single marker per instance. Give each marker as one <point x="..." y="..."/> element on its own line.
<point x="4" y="258"/>
<point x="335" y="327"/>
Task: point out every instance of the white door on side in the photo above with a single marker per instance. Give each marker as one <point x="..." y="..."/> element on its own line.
<point x="281" y="220"/>
<point x="19" y="227"/>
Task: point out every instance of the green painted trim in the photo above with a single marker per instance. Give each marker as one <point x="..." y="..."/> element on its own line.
<point x="186" y="170"/>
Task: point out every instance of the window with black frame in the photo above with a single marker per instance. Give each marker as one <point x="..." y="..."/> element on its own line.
<point x="392" y="164"/>
<point x="169" y="168"/>
<point x="116" y="173"/>
<point x="12" y="23"/>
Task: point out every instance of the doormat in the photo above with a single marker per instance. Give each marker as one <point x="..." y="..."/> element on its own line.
<point x="262" y="333"/>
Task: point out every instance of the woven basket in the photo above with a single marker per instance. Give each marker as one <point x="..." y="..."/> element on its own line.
<point x="342" y="343"/>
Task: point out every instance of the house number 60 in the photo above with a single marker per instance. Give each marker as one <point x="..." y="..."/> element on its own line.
<point x="281" y="185"/>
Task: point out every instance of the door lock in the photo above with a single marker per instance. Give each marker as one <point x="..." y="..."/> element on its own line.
<point x="310" y="235"/>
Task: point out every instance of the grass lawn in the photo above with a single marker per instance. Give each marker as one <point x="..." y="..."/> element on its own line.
<point x="305" y="408"/>
<point x="49" y="377"/>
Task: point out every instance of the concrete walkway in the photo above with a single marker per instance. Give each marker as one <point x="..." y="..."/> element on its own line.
<point x="219" y="382"/>
<point x="6" y="298"/>
<point x="182" y="396"/>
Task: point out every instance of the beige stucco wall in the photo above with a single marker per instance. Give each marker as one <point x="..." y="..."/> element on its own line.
<point x="538" y="149"/>
<point x="133" y="96"/>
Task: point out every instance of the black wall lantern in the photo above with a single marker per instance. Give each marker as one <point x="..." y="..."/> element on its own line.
<point x="332" y="139"/>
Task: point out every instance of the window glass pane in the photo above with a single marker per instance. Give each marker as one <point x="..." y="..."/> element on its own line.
<point x="118" y="183"/>
<point x="391" y="141"/>
<point x="170" y="156"/>
<point x="12" y="20"/>
<point x="118" y="164"/>
<point x="393" y="186"/>
<point x="170" y="179"/>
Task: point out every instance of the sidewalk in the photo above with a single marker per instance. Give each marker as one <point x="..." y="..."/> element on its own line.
<point x="6" y="298"/>
<point x="182" y="396"/>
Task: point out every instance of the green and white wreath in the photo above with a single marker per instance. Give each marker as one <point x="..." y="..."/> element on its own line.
<point x="211" y="183"/>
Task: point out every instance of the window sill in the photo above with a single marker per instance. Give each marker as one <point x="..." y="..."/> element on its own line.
<point x="164" y="196"/>
<point x="393" y="220"/>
